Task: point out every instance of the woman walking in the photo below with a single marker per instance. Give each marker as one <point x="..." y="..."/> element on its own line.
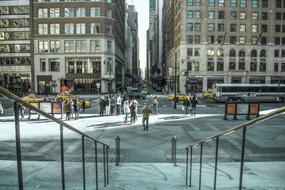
<point x="126" y="110"/>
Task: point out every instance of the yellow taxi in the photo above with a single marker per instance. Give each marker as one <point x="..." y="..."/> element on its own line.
<point x="208" y="94"/>
<point x="33" y="99"/>
<point x="180" y="97"/>
<point x="66" y="96"/>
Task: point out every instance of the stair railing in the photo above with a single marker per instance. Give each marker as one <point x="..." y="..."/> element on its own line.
<point x="17" y="101"/>
<point x="243" y="127"/>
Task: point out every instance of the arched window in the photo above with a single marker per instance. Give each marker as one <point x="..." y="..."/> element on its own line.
<point x="263" y="53"/>
<point x="253" y="53"/>
<point x="220" y="53"/>
<point x="232" y="53"/>
<point x="241" y="53"/>
<point x="211" y="52"/>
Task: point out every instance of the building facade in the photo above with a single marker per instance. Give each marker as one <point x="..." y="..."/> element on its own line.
<point x="218" y="41"/>
<point x="78" y="46"/>
<point x="15" y="46"/>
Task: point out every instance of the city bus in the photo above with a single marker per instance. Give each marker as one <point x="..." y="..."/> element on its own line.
<point x="249" y="92"/>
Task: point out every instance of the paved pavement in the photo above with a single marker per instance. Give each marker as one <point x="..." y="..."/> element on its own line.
<point x="146" y="155"/>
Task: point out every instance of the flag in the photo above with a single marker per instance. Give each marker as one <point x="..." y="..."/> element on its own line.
<point x="258" y="39"/>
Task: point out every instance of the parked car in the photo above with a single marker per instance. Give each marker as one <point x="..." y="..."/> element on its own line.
<point x="136" y="95"/>
<point x="181" y="97"/>
<point x="208" y="94"/>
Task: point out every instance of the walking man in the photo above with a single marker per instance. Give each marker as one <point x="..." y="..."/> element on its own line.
<point x="102" y="106"/>
<point x="194" y="103"/>
<point x="107" y="106"/>
<point x="126" y="110"/>
<point x="133" y="110"/>
<point x="145" y="119"/>
<point x="76" y="107"/>
<point x="83" y="106"/>
<point x="186" y="105"/>
<point x="119" y="102"/>
<point x="154" y="105"/>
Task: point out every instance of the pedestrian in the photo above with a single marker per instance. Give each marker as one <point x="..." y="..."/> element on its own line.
<point x="126" y="110"/>
<point x="194" y="103"/>
<point x="145" y="119"/>
<point x="119" y="104"/>
<point x="123" y="103"/>
<point x="113" y="105"/>
<point x="83" y="105"/>
<point x="154" y="105"/>
<point x="22" y="110"/>
<point x="76" y="109"/>
<point x="72" y="108"/>
<point x="107" y="105"/>
<point x="102" y="105"/>
<point x="67" y="109"/>
<point x="1" y="109"/>
<point x="133" y="110"/>
<point x="186" y="104"/>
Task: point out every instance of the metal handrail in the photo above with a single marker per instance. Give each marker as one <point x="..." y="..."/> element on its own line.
<point x="216" y="137"/>
<point x="29" y="106"/>
<point x="62" y="124"/>
<point x="251" y="122"/>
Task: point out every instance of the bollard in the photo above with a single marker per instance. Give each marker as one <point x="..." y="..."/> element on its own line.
<point x="118" y="151"/>
<point x="173" y="150"/>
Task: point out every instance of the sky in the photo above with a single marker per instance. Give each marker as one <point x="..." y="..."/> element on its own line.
<point x="142" y="9"/>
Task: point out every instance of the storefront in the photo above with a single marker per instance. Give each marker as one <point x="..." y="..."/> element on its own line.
<point x="44" y="84"/>
<point x="17" y="83"/>
<point x="214" y="80"/>
<point x="194" y="85"/>
<point x="257" y="80"/>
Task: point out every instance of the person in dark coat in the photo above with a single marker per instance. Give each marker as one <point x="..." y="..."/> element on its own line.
<point x="67" y="109"/>
<point x="83" y="105"/>
<point x="186" y="105"/>
<point x="76" y="109"/>
<point x="102" y="105"/>
<point x="194" y="103"/>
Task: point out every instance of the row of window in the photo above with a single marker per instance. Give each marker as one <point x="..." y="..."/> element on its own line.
<point x="73" y="28"/>
<point x="73" y="12"/>
<point x="14" y="10"/>
<point x="15" y="61"/>
<point x="15" y="35"/>
<point x="15" y="48"/>
<point x="14" y="23"/>
<point x="71" y="46"/>
<point x="237" y="3"/>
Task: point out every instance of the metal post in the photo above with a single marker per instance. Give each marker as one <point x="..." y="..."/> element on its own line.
<point x="83" y="162"/>
<point x="104" y="165"/>
<point x="174" y="139"/>
<point x="175" y="81"/>
<point x="107" y="165"/>
<point x="190" y="175"/>
<point x="242" y="158"/>
<point x="96" y="165"/>
<point x="118" y="151"/>
<point x="62" y="158"/>
<point x="187" y="158"/>
<point x="18" y="146"/>
<point x="200" y="173"/>
<point x="216" y="162"/>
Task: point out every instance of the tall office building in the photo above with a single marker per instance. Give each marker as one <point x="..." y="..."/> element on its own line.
<point x="218" y="41"/>
<point x="79" y="45"/>
<point x="15" y="46"/>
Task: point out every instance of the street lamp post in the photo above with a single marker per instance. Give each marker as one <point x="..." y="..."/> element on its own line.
<point x="108" y="62"/>
<point x="175" y="81"/>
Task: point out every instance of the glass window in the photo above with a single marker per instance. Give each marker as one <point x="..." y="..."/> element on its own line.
<point x="242" y="15"/>
<point x="242" y="39"/>
<point x="243" y="3"/>
<point x="43" y="29"/>
<point x="190" y="39"/>
<point x="109" y="46"/>
<point x="263" y="40"/>
<point x="54" y="65"/>
<point x="109" y="13"/>
<point x="80" y="12"/>
<point x="221" y="14"/>
<point x="233" y="3"/>
<point x="189" y="2"/>
<point x="211" y="15"/>
<point x="54" y="29"/>
<point x="253" y="53"/>
<point x="95" y="45"/>
<point x="233" y="39"/>
<point x="42" y="65"/>
<point x="81" y="46"/>
<point x="220" y="66"/>
<point x="255" y="16"/>
<point x="54" y="46"/>
<point x="211" y="52"/>
<point x="54" y="12"/>
<point x="211" y="27"/>
<point x="211" y="66"/>
<point x="241" y="65"/>
<point x="43" y="46"/>
<point x="278" y="4"/>
<point x="80" y="28"/>
<point x="283" y="67"/>
<point x="232" y="65"/>
<point x="197" y="14"/>
<point x="197" y="40"/>
<point x="95" y="11"/>
<point x="211" y="3"/>
<point x="197" y="52"/>
<point x="277" y="40"/>
<point x="211" y="39"/>
<point x="95" y="28"/>
<point x="190" y="26"/>
<point x="264" y="28"/>
<point x="241" y="53"/>
<point x="69" y="46"/>
<point x="254" y="27"/>
<point x="242" y="27"/>
<point x="43" y="13"/>
<point x="278" y="16"/>
<point x="264" y="3"/>
<point x="109" y="29"/>
<point x="69" y="28"/>
<point x="262" y="67"/>
<point x="232" y="53"/>
<point x="189" y="14"/>
<point x="253" y="40"/>
<point x="197" y="2"/>
<point x="283" y="53"/>
<point x="197" y="27"/>
<point x="276" y="67"/>
<point x="69" y="12"/>
<point x="233" y="15"/>
<point x="233" y="28"/>
<point x="254" y="3"/>
<point x="220" y="53"/>
<point x="221" y="27"/>
<point x="189" y="51"/>
<point x="253" y="66"/>
<point x="276" y="53"/>
<point x="264" y="16"/>
<point x="221" y="3"/>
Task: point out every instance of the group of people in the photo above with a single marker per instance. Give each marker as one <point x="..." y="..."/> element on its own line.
<point x="71" y="108"/>
<point x="189" y="105"/>
<point x="110" y="105"/>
